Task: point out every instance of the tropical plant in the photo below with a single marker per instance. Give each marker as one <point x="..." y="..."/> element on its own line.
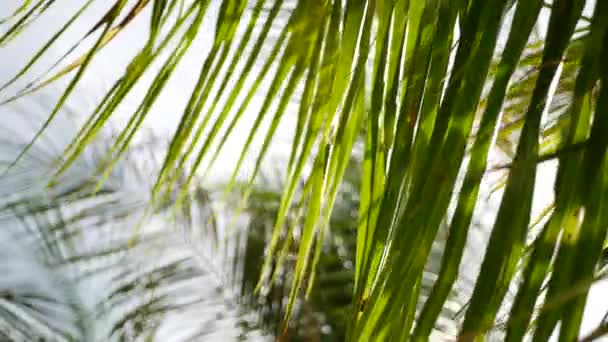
<point x="323" y="310"/>
<point x="71" y="270"/>
<point x="430" y="84"/>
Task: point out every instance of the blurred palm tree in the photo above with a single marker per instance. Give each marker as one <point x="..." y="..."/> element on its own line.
<point x="75" y="265"/>
<point x="433" y="86"/>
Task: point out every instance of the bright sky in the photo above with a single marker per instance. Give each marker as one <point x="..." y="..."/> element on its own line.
<point x="106" y="67"/>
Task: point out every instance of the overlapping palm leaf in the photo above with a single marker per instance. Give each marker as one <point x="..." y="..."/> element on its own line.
<point x="427" y="83"/>
<point x="323" y="311"/>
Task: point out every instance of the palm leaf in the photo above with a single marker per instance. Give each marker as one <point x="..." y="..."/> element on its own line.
<point x="70" y="271"/>
<point x="434" y="93"/>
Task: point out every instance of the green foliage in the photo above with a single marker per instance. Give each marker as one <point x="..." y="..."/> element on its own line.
<point x="433" y="92"/>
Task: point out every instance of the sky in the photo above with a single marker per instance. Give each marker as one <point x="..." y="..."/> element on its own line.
<point x="111" y="62"/>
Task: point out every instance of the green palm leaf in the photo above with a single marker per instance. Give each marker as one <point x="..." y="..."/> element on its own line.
<point x="429" y="92"/>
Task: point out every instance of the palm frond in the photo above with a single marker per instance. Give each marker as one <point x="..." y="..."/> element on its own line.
<point x="70" y="268"/>
<point x="434" y="94"/>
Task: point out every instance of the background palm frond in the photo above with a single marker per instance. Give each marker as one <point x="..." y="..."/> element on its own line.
<point x="75" y="266"/>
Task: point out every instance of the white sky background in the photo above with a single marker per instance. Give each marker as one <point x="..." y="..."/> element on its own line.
<point x="165" y="115"/>
<point x="110" y="64"/>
